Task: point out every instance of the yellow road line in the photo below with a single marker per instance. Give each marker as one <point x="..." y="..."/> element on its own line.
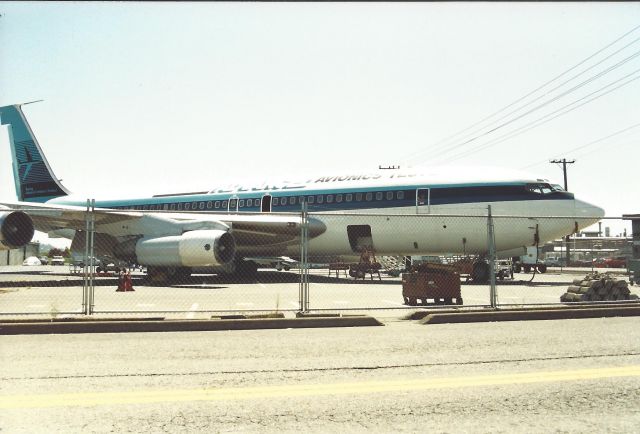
<point x="239" y="393"/>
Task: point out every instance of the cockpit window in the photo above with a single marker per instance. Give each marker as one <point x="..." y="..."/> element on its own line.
<point x="534" y="188"/>
<point x="543" y="188"/>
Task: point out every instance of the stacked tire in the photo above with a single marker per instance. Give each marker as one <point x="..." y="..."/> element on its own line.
<point x="598" y="287"/>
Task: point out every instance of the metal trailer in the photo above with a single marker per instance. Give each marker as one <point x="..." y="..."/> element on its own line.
<point x="429" y="284"/>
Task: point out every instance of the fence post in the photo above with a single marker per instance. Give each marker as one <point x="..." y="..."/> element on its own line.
<point x="88" y="287"/>
<point x="85" y="261"/>
<point x="92" y="257"/>
<point x="491" y="243"/>
<point x="304" y="260"/>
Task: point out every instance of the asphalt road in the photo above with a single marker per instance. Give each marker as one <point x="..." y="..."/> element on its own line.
<point x="538" y="376"/>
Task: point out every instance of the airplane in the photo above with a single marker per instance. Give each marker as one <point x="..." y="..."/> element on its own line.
<point x="419" y="211"/>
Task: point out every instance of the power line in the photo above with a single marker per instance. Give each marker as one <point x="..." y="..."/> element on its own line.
<point x="532" y="92"/>
<point x="584" y="83"/>
<point x="588" y="144"/>
<point x="619" y="145"/>
<point x="538" y="107"/>
<point x="541" y="121"/>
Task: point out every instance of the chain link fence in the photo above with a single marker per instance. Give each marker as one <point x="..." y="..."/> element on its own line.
<point x="312" y="262"/>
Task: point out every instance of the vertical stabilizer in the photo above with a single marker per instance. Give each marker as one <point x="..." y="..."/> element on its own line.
<point x="34" y="179"/>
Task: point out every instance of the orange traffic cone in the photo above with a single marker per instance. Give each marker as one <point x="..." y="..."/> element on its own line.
<point x="121" y="282"/>
<point x="128" y="283"/>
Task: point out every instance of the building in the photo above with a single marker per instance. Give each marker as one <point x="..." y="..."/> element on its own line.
<point x="587" y="248"/>
<point x="17" y="256"/>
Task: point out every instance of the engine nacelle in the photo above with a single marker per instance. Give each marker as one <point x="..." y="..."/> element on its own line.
<point x="201" y="248"/>
<point x="16" y="229"/>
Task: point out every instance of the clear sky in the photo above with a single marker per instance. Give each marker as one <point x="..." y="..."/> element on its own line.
<point x="171" y="97"/>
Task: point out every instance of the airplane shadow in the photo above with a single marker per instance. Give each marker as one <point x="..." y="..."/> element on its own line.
<point x="266" y="277"/>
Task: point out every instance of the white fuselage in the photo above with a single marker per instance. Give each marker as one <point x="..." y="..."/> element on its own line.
<point x="401" y="213"/>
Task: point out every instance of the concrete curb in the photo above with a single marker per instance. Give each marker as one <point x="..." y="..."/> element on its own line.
<point x="416" y="316"/>
<point x="533" y="315"/>
<point x="182" y="325"/>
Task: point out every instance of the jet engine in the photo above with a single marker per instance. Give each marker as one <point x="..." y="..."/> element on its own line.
<point x="200" y="248"/>
<point x="16" y="229"/>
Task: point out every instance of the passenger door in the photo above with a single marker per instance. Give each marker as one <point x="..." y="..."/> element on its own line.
<point x="265" y="205"/>
<point x="423" y="200"/>
<point x="233" y="204"/>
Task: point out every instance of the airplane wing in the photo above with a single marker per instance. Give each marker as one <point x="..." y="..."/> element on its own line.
<point x="255" y="230"/>
<point x="49" y="218"/>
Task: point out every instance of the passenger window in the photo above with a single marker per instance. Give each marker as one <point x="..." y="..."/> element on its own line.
<point x="232" y="203"/>
<point x="300" y="199"/>
<point x="320" y="198"/>
<point x="276" y="200"/>
<point x="358" y="197"/>
<point x="224" y="204"/>
<point x="201" y="205"/>
<point x="194" y="205"/>
<point x="389" y="195"/>
<point x="173" y="206"/>
<point x="330" y="198"/>
<point x="400" y="195"/>
<point x="241" y="203"/>
<point x="165" y="206"/>
<point x="349" y="197"/>
<point x="187" y="205"/>
<point x="311" y="199"/>
<point x="379" y="195"/>
<point x="338" y="198"/>
<point x="209" y="205"/>
<point x="179" y="206"/>
<point x="292" y="200"/>
<point x="369" y="196"/>
<point x="249" y="202"/>
<point x="217" y="204"/>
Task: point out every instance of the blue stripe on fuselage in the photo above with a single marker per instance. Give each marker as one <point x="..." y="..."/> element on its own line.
<point x="403" y="196"/>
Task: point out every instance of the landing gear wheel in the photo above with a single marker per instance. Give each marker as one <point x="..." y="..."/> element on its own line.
<point x="480" y="272"/>
<point x="527" y="268"/>
<point x="167" y="275"/>
<point x="156" y="275"/>
<point x="542" y="268"/>
<point x="247" y="270"/>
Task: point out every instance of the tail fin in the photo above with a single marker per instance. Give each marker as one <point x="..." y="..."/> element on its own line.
<point x="35" y="181"/>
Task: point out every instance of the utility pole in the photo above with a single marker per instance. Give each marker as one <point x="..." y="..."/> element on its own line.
<point x="564" y="163"/>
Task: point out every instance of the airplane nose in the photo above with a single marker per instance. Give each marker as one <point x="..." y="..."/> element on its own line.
<point x="586" y="209"/>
